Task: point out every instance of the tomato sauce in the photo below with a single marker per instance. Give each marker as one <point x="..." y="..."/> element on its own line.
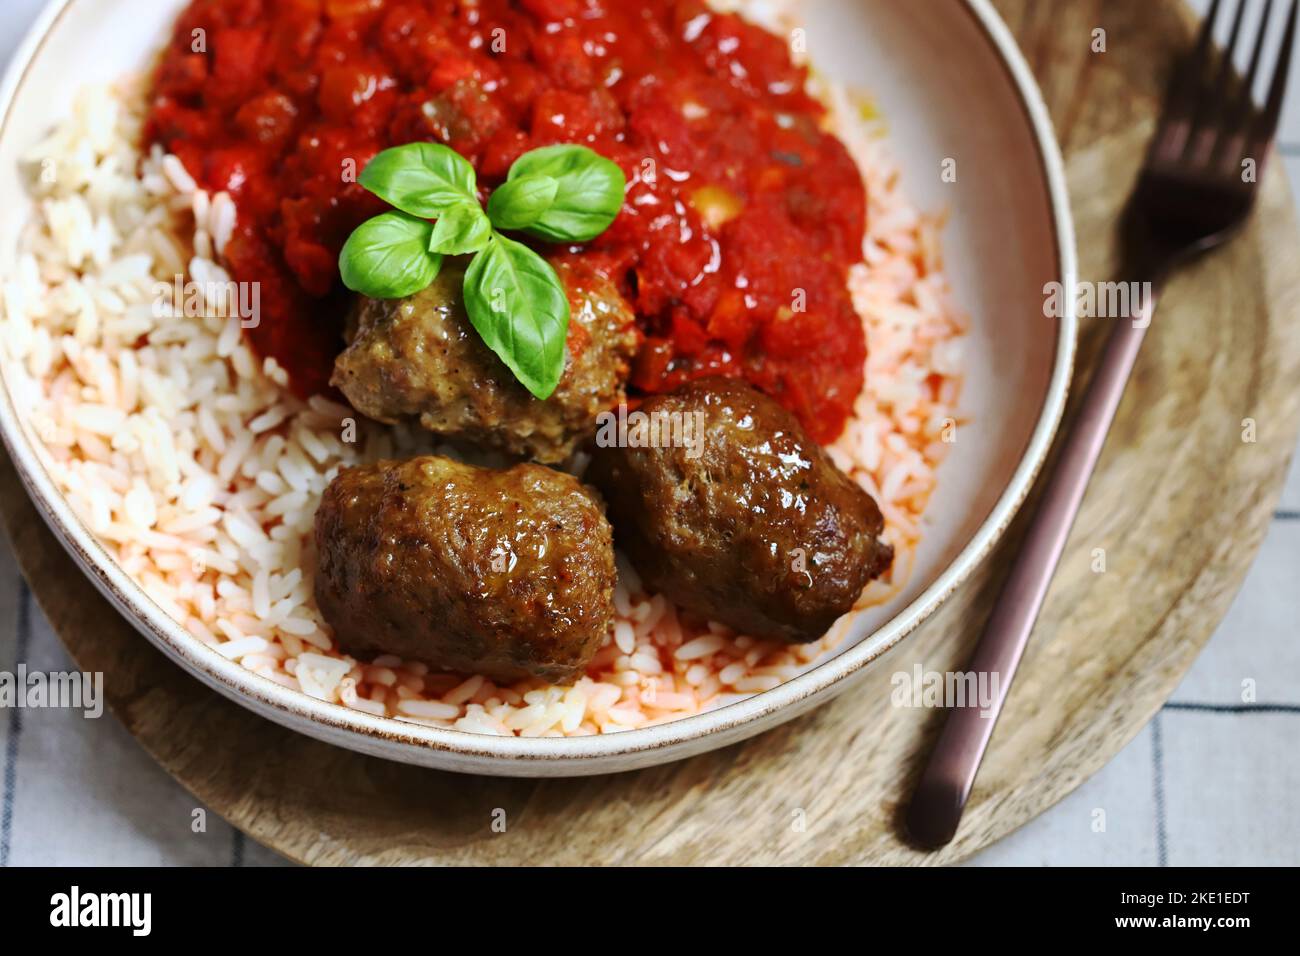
<point x="742" y="215"/>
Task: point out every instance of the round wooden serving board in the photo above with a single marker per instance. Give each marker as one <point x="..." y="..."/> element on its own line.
<point x="1180" y="505"/>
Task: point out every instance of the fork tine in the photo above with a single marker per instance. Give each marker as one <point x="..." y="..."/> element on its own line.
<point x="1267" y="125"/>
<point x="1225" y="64"/>
<point x="1206" y="37"/>
<point x="1215" y="120"/>
<point x="1248" y="83"/>
<point x="1236" y="143"/>
<point x="1173" y="131"/>
<point x="1197" y="66"/>
<point x="1230" y="50"/>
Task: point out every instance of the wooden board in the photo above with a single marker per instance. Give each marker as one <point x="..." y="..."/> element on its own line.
<point x="1180" y="505"/>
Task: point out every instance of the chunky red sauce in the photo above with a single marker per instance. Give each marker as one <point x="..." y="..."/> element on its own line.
<point x="741" y="219"/>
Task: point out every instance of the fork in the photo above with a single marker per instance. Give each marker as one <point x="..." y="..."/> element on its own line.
<point x="1194" y="193"/>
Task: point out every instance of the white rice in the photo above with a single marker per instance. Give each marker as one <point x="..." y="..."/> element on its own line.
<point x="188" y="458"/>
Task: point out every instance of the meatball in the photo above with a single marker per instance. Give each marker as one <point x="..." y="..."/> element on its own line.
<point x="508" y="574"/>
<point x="750" y="524"/>
<point x="419" y="358"/>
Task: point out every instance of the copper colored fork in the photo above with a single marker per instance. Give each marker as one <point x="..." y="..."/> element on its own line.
<point x="1197" y="187"/>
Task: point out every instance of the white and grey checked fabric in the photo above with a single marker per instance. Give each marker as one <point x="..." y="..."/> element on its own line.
<point x="1210" y="781"/>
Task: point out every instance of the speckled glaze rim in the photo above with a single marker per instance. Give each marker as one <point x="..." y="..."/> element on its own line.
<point x="458" y="750"/>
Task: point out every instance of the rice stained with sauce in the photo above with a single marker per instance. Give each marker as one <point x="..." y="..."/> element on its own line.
<point x="200" y="472"/>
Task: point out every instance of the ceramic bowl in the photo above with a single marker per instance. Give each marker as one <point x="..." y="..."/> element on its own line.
<point x="950" y="80"/>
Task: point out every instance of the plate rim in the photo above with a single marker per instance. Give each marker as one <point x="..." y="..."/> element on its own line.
<point x="461" y="750"/>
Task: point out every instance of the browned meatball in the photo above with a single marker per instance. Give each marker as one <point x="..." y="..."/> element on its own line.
<point x="501" y="573"/>
<point x="420" y="358"/>
<point x="759" y="530"/>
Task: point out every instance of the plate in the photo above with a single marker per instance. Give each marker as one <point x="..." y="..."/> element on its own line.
<point x="958" y="98"/>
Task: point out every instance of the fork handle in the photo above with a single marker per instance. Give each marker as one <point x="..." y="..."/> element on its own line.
<point x="946" y="782"/>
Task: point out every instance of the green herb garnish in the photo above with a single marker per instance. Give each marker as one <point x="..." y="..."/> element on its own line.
<point x="513" y="297"/>
<point x="462" y="229"/>
<point x="423" y="179"/>
<point x="519" y="203"/>
<point x="388" y="257"/>
<point x="589" y="192"/>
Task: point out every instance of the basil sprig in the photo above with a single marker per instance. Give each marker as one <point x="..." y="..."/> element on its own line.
<point x="512" y="296"/>
<point x="423" y="179"/>
<point x="514" y="299"/>
<point x="388" y="257"/>
<point x="520" y="203"/>
<point x="589" y="192"/>
<point x="460" y="230"/>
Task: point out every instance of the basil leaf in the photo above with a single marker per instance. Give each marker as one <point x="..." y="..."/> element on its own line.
<point x="423" y="179"/>
<point x="517" y="305"/>
<point x="520" y="202"/>
<point x="388" y="257"/>
<point x="589" y="196"/>
<point x="460" y="230"/>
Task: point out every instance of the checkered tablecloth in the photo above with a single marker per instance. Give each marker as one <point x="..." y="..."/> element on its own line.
<point x="1211" y="780"/>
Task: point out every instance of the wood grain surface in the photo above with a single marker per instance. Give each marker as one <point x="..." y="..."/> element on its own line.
<point x="1180" y="505"/>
